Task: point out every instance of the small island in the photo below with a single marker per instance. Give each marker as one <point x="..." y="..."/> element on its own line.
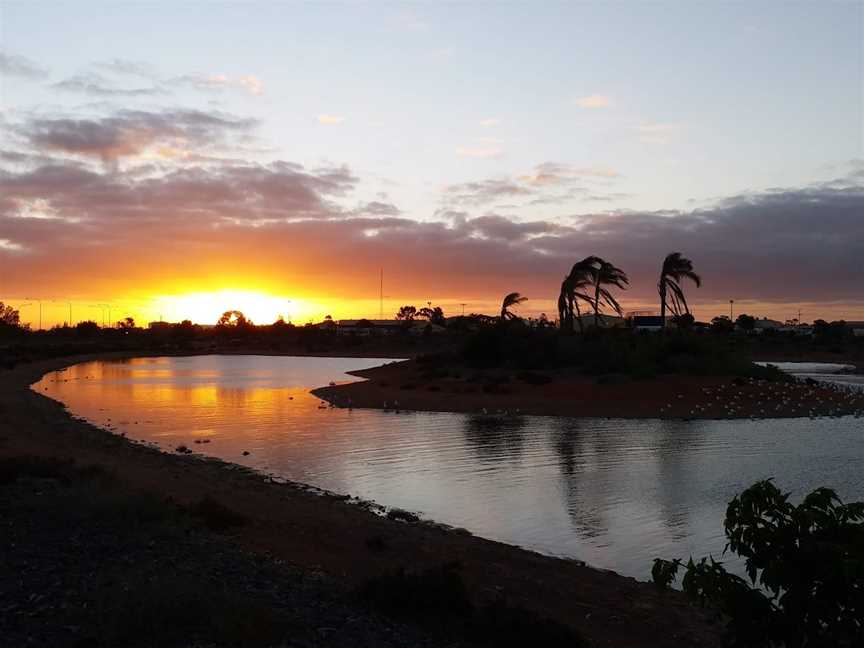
<point x="422" y="386"/>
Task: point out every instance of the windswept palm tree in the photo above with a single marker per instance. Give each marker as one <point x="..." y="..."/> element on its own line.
<point x="606" y="273"/>
<point x="512" y="299"/>
<point x="675" y="269"/>
<point x="573" y="288"/>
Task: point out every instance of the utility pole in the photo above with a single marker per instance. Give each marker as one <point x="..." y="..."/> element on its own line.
<point x="69" y="303"/>
<point x="463" y="308"/>
<point x="381" y="296"/>
<point x="731" y="301"/>
<point x="38" y="301"/>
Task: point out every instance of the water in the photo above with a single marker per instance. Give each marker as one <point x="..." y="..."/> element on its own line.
<point x="614" y="493"/>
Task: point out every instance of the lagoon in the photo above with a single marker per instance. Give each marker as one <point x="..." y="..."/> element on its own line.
<point x="615" y="493"/>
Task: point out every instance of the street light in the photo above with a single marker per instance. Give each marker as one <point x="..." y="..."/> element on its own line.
<point x="102" y="308"/>
<point x="39" y="301"/>
<point x="69" y="303"/>
<point x="731" y="301"/>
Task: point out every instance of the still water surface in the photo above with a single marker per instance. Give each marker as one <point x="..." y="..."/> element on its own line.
<point x="614" y="493"/>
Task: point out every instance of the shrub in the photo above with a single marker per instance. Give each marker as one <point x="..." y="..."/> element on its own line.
<point x="805" y="566"/>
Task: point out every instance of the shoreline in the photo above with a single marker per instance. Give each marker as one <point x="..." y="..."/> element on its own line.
<point x="326" y="533"/>
<point x="409" y="386"/>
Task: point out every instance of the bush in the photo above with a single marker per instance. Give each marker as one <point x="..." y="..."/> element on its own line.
<point x="805" y="566"/>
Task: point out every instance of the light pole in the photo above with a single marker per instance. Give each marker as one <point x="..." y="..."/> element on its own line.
<point x="731" y="301"/>
<point x="25" y="304"/>
<point x="69" y="303"/>
<point x="462" y="304"/>
<point x="38" y="301"/>
<point x="102" y="308"/>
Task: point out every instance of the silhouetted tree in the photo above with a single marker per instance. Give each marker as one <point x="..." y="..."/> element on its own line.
<point x="87" y="328"/>
<point x="512" y="299"/>
<point x="9" y="316"/>
<point x="722" y="325"/>
<point x="745" y="322"/>
<point x="407" y="313"/>
<point x="185" y="331"/>
<point x="233" y="319"/>
<point x="606" y="273"/>
<point x="685" y="321"/>
<point x="675" y="269"/>
<point x="126" y="324"/>
<point x="575" y="287"/>
<point x="433" y="315"/>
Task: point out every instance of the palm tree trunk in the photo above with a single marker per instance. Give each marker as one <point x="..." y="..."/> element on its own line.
<point x="579" y="317"/>
<point x="662" y="303"/>
<point x="597" y="304"/>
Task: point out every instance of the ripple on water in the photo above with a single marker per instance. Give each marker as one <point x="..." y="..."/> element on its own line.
<point x="615" y="493"/>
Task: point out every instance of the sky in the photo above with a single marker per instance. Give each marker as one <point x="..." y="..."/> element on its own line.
<point x="179" y="159"/>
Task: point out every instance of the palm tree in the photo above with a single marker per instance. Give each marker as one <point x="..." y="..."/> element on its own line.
<point x="512" y="299"/>
<point x="606" y="273"/>
<point x="675" y="269"/>
<point x="573" y="288"/>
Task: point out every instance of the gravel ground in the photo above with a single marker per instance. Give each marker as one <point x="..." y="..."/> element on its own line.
<point x="85" y="563"/>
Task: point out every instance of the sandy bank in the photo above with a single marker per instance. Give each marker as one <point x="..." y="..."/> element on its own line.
<point x="328" y="534"/>
<point x="411" y="386"/>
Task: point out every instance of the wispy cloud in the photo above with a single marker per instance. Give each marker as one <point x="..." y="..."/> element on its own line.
<point x="11" y="246"/>
<point x="97" y="86"/>
<point x="657" y="132"/>
<point x="215" y="82"/>
<point x="252" y="83"/>
<point x="21" y="66"/>
<point x="128" y="68"/>
<point x="594" y="101"/>
<point x="330" y="120"/>
<point x="489" y="122"/>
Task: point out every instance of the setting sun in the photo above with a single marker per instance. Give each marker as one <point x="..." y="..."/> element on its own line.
<point x="207" y="307"/>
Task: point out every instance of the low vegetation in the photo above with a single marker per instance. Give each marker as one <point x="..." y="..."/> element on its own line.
<point x="602" y="352"/>
<point x="804" y="565"/>
<point x="438" y="600"/>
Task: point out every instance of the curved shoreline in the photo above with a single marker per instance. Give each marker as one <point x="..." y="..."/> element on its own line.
<point x="325" y="533"/>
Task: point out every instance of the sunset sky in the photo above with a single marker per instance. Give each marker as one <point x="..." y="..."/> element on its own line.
<point x="181" y="159"/>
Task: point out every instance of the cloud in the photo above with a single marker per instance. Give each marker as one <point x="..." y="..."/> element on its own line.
<point x="21" y="66"/>
<point x="253" y="84"/>
<point x="594" y="101"/>
<point x="11" y="246"/>
<point x="132" y="132"/>
<point x="128" y="68"/>
<point x="378" y="208"/>
<point x="549" y="183"/>
<point x="97" y="86"/>
<point x="217" y="82"/>
<point x="553" y="173"/>
<point x="483" y="192"/>
<point x="491" y="121"/>
<point x="657" y="132"/>
<point x="784" y="245"/>
<point x="330" y="120"/>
